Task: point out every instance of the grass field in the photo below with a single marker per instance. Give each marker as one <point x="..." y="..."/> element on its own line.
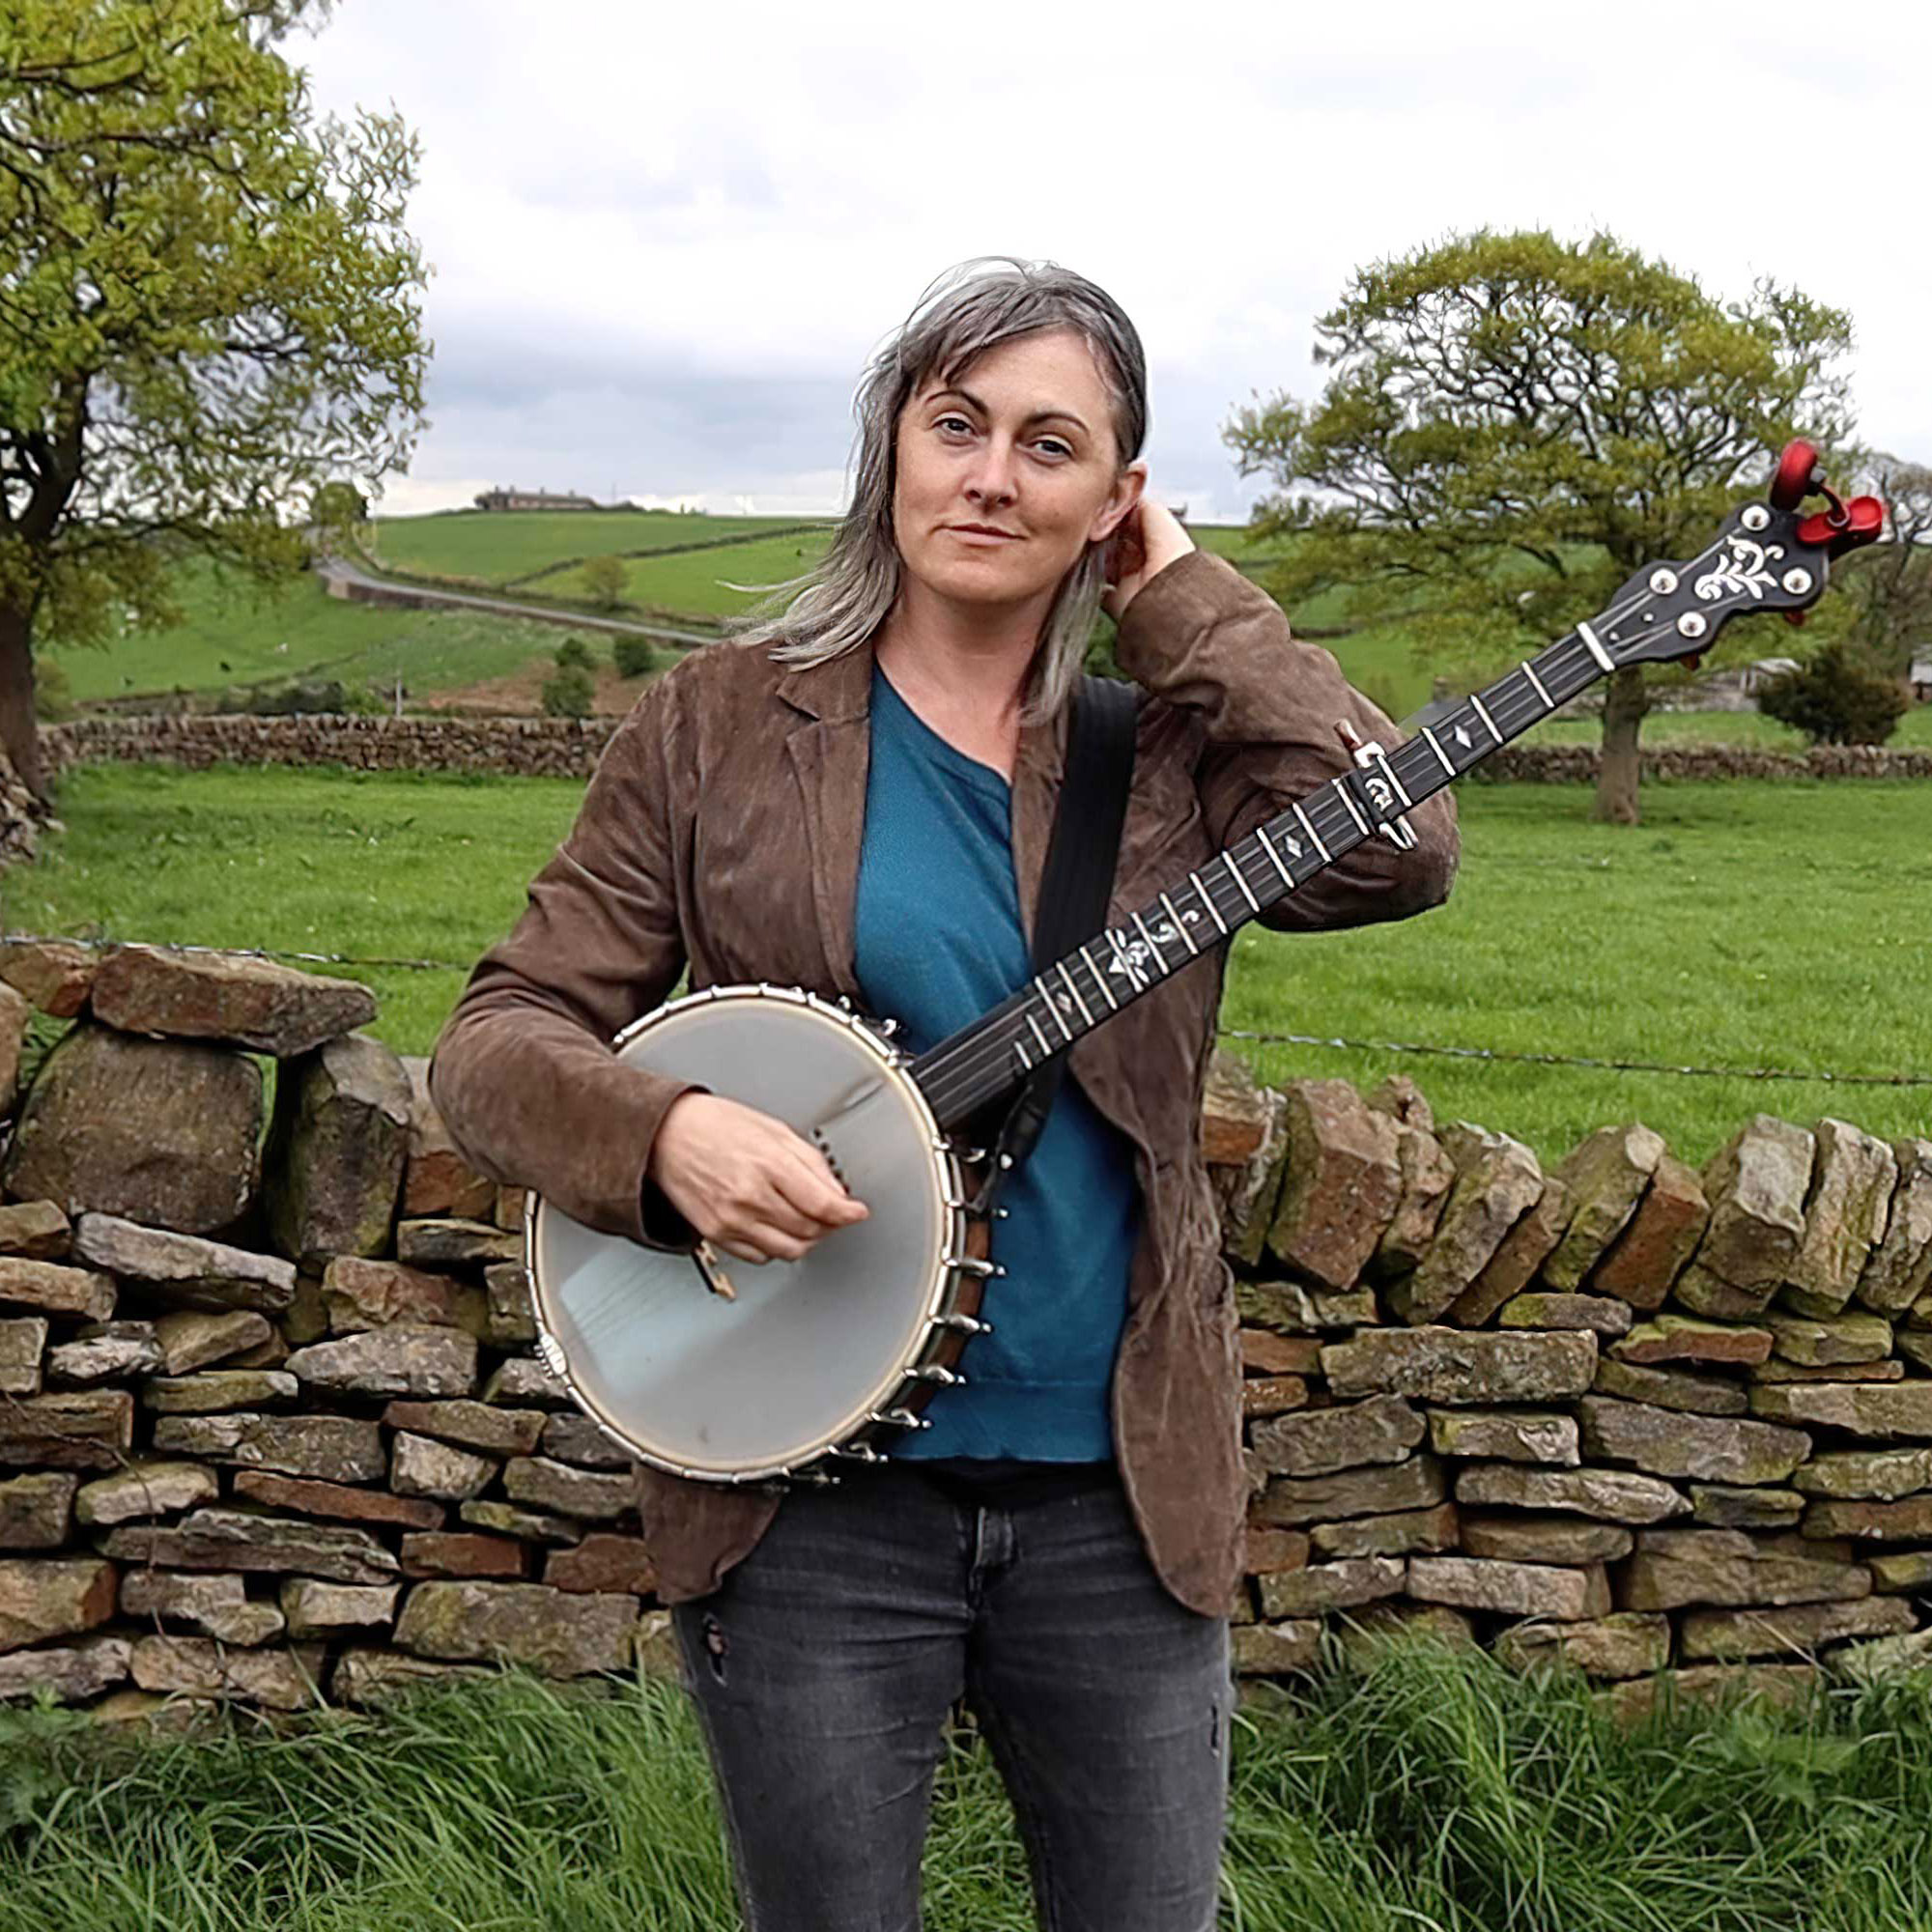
<point x="232" y="635"/>
<point x="1744" y="926"/>
<point x="1411" y="1790"/>
<point x="494" y="547"/>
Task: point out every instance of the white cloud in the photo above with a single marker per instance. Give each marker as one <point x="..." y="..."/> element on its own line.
<point x="665" y="239"/>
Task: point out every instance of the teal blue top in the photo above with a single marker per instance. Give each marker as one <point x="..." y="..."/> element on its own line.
<point x="939" y="941"/>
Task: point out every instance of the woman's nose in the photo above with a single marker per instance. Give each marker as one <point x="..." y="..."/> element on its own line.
<point x="992" y="478"/>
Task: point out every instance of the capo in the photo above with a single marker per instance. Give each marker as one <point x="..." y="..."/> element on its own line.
<point x="1392" y="825"/>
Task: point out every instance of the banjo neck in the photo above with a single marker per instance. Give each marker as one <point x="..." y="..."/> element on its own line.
<point x="1202" y="909"/>
<point x="1765" y="557"/>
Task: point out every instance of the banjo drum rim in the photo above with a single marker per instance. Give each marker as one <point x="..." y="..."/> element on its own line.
<point x="869" y="1416"/>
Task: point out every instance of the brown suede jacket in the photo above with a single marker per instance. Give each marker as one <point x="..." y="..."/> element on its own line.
<point x="722" y="830"/>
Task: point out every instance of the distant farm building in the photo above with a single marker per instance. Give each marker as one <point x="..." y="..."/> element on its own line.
<point x="514" y="499"/>
<point x="1921" y="679"/>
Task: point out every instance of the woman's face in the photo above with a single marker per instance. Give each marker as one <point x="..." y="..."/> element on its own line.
<point x="1003" y="479"/>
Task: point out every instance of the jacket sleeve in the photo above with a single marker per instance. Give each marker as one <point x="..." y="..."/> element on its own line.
<point x="1202" y="638"/>
<point x="524" y="1074"/>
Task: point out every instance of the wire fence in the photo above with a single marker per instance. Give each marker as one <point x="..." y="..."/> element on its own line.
<point x="1338" y="1043"/>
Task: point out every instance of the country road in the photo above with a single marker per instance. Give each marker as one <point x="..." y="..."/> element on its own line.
<point x="358" y="585"/>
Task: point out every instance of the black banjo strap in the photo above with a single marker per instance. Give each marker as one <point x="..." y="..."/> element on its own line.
<point x="1075" y="883"/>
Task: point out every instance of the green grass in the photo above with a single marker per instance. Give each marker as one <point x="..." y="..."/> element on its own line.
<point x="1415" y="1790"/>
<point x="232" y="635"/>
<point x="493" y="547"/>
<point x="1749" y="924"/>
<point x="1749" y="728"/>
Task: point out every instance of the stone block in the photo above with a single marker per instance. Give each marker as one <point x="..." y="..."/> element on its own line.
<point x="333" y="1448"/>
<point x="1882" y="1474"/>
<point x="161" y="1132"/>
<point x="1690" y="1338"/>
<point x="448" y="1243"/>
<point x="1441" y="1364"/>
<point x="1497" y="1181"/>
<point x="471" y="1425"/>
<point x="1781" y="1685"/>
<point x="53" y="975"/>
<point x="561" y="1633"/>
<point x="1569" y="1542"/>
<point x="1289" y="1501"/>
<point x="212" y="1539"/>
<point x="1400" y="1533"/>
<point x="1272" y="1395"/>
<point x="1607" y="1173"/>
<point x="1728" y="1507"/>
<point x="144" y="1489"/>
<point x="1626" y="1643"/>
<point x="1274" y="1649"/>
<point x="314" y="1608"/>
<point x="78" y="1429"/>
<point x="1601" y="1313"/>
<point x="546" y="1485"/>
<point x="575" y="1438"/>
<point x="1756" y="1186"/>
<point x="1880" y="1410"/>
<point x="197" y="1667"/>
<point x="42" y="1597"/>
<point x="603" y="1561"/>
<point x="510" y="1314"/>
<point x="69" y="1673"/>
<point x="193" y="1338"/>
<point x="1909" y="1519"/>
<point x="1519" y="1255"/>
<point x="185" y="1268"/>
<point x="1816" y="1342"/>
<point x="422" y="1466"/>
<point x="1845" y="1213"/>
<point x="337" y="1501"/>
<point x="36" y="1510"/>
<point x="1667" y="1442"/>
<point x="1643" y="1261"/>
<point x="23" y="1346"/>
<point x="1899" y="1267"/>
<point x="1729" y="1636"/>
<point x="104" y="1352"/>
<point x="362" y="1293"/>
<point x="216" y="1391"/>
<point x="1669" y="1388"/>
<point x="371" y="1678"/>
<point x="229" y="998"/>
<point x="1320" y="1587"/>
<point x="52" y="1288"/>
<point x="38" y="1231"/>
<point x="1516" y="1589"/>
<point x="463" y="1553"/>
<point x="1263" y="1353"/>
<point x="528" y="1526"/>
<point x="333" y="1170"/>
<point x="1675" y="1569"/>
<point x="1341" y="1185"/>
<point x="1615" y="1496"/>
<point x="407" y="1359"/>
<point x="1510" y="1435"/>
<point x="215" y="1605"/>
<point x="1383" y="1428"/>
<point x="438" y="1179"/>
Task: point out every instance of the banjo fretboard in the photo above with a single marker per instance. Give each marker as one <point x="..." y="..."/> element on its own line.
<point x="1202" y="909"/>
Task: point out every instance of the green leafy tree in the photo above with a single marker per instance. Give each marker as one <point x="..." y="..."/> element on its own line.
<point x="634" y="657"/>
<point x="336" y="509"/>
<point x="208" y="306"/>
<point x="1888" y="587"/>
<point x="604" y="578"/>
<point x="574" y="653"/>
<point x="1842" y="694"/>
<point x="1514" y="424"/>
<point x="569" y="693"/>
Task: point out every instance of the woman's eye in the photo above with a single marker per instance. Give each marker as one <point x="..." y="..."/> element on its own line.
<point x="952" y="423"/>
<point x="1052" y="445"/>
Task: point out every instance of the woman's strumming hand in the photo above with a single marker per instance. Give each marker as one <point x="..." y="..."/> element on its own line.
<point x="746" y="1182"/>
<point x="1149" y="539"/>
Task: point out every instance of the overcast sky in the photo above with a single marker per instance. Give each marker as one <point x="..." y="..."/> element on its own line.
<point x="665" y="238"/>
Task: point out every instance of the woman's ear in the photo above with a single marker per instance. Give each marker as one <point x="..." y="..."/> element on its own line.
<point x="1120" y="500"/>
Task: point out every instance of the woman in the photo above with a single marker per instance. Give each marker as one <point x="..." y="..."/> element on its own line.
<point x="855" y="796"/>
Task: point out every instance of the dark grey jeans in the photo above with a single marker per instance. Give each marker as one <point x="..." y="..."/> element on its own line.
<point x="825" y="1667"/>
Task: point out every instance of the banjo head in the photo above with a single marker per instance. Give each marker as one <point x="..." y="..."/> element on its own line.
<point x="739" y="1391"/>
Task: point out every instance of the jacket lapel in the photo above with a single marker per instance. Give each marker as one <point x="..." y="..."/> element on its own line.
<point x="829" y="750"/>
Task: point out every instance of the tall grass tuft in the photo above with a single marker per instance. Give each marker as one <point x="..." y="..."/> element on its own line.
<point x="1410" y="1788"/>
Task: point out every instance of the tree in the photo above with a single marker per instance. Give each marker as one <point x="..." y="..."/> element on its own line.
<point x="1888" y="587"/>
<point x="1514" y="426"/>
<point x="207" y="307"/>
<point x="574" y="654"/>
<point x="1842" y="696"/>
<point x="335" y="510"/>
<point x="604" y="578"/>
<point x="569" y="693"/>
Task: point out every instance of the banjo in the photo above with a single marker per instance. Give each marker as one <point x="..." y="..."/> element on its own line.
<point x="784" y="1369"/>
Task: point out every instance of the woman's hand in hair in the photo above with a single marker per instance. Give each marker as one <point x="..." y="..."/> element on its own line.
<point x="1149" y="539"/>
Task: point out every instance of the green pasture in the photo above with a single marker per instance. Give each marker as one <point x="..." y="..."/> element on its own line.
<point x="1780" y="926"/>
<point x="1405" y="1787"/>
<point x="493" y="547"/>
<point x="234" y="635"/>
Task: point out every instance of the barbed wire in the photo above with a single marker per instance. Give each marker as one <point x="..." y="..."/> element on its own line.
<point x="1339" y="1043"/>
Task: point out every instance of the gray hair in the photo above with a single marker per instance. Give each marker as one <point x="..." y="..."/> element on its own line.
<point x="839" y="603"/>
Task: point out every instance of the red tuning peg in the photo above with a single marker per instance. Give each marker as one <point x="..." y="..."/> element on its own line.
<point x="1844" y="525"/>
<point x="1796" y="475"/>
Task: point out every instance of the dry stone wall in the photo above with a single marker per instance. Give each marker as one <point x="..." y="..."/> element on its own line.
<point x="567" y="748"/>
<point x="273" y="1431"/>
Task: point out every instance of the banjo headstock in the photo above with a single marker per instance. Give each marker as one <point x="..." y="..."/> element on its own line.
<point x="1772" y="555"/>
